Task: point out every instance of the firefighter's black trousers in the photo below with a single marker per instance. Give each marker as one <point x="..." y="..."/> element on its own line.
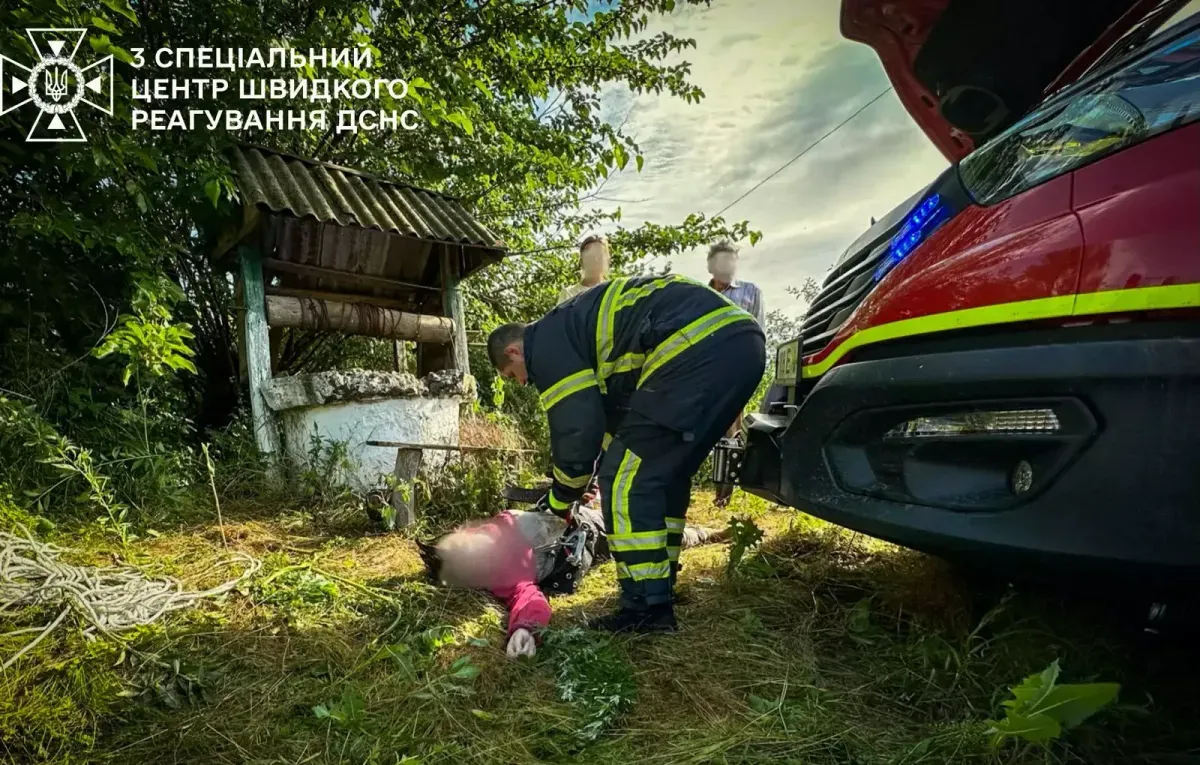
<point x="645" y="475"/>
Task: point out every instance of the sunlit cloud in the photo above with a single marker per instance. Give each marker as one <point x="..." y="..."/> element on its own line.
<point x="777" y="75"/>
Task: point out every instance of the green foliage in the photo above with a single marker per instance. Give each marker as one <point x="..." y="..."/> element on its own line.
<point x="170" y="685"/>
<point x="104" y="246"/>
<point x="346" y="712"/>
<point x="1041" y="709"/>
<point x="151" y="341"/>
<point x="323" y="476"/>
<point x="13" y="517"/>
<point x="745" y="535"/>
<point x="52" y="701"/>
<point x="590" y="674"/>
<point x="468" y="486"/>
<point x="296" y="587"/>
<point x="73" y="467"/>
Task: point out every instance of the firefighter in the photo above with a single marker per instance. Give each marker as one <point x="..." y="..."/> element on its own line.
<point x="645" y="373"/>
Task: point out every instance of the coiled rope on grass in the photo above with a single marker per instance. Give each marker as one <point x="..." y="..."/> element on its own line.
<point x="108" y="600"/>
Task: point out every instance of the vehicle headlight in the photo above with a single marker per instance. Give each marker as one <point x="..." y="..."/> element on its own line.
<point x="787" y="363"/>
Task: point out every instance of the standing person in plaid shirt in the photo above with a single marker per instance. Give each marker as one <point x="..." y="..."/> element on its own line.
<point x="722" y="264"/>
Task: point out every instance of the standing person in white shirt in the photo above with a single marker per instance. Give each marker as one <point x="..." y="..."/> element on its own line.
<point x="722" y="264"/>
<point x="594" y="261"/>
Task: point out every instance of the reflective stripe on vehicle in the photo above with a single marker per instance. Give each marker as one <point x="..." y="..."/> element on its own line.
<point x="1088" y="304"/>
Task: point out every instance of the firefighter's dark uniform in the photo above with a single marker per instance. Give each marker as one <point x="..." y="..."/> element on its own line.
<point x="650" y="371"/>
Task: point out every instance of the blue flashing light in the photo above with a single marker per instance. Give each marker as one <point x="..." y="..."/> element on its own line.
<point x="920" y="224"/>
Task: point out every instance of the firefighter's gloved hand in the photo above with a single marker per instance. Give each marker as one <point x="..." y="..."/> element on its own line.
<point x="521" y="643"/>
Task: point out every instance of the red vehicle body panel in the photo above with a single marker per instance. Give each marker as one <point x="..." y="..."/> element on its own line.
<point x="1124" y="222"/>
<point x="897" y="29"/>
<point x="896" y="32"/>
<point x="1026" y="248"/>
<point x="1140" y="210"/>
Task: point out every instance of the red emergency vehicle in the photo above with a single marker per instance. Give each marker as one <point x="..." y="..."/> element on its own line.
<point x="1006" y="369"/>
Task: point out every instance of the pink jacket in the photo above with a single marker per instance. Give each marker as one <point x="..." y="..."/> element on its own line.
<point x="527" y="605"/>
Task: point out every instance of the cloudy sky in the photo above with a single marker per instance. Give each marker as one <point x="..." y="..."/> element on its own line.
<point x="777" y="75"/>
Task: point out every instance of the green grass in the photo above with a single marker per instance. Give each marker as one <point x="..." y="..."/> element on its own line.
<point x="823" y="648"/>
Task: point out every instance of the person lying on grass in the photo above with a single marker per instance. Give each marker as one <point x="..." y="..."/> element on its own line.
<point x="523" y="557"/>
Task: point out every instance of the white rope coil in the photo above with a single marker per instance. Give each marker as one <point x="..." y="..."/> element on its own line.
<point x="109" y="600"/>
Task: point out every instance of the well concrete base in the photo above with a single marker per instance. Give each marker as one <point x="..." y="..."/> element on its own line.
<point x="353" y="407"/>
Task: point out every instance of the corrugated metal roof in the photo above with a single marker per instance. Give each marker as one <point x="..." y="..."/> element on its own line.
<point x="333" y="194"/>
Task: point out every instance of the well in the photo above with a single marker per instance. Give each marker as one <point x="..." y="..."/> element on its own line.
<point x="356" y="406"/>
<point x="321" y="248"/>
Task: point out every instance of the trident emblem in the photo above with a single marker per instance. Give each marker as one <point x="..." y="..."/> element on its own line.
<point x="56" y="83"/>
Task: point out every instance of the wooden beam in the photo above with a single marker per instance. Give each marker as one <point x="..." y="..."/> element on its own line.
<point x="399" y="356"/>
<point x="296" y="292"/>
<point x="357" y="320"/>
<point x="453" y="306"/>
<point x="448" y="447"/>
<point x="231" y="236"/>
<point x="404" y="492"/>
<point x="257" y="347"/>
<point x="319" y="272"/>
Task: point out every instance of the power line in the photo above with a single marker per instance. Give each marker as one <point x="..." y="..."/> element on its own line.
<point x="807" y="149"/>
<point x="756" y="186"/>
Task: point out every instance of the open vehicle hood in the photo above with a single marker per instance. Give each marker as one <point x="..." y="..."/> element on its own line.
<point x="967" y="69"/>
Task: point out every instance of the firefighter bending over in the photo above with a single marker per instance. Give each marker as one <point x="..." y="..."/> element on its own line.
<point x="645" y="373"/>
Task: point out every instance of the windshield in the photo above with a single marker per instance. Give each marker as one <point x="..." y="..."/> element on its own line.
<point x="1149" y="96"/>
<point x="1156" y="25"/>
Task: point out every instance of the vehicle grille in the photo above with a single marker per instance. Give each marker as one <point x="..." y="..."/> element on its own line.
<point x="845" y="288"/>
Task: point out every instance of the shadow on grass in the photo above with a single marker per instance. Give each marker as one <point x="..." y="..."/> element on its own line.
<point x="823" y="648"/>
<point x="829" y="647"/>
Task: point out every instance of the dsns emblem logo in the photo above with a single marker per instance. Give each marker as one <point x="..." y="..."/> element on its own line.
<point x="56" y="84"/>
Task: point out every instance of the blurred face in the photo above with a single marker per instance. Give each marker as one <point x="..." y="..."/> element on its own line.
<point x="723" y="266"/>
<point x="515" y="368"/>
<point x="593" y="262"/>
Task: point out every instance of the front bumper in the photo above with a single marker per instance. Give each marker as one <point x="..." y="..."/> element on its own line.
<point x="1116" y="490"/>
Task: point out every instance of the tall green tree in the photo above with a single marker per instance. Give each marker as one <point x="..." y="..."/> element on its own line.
<point x="508" y="97"/>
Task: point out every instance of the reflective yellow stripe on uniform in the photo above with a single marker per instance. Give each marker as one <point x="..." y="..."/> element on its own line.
<point x="613" y="302"/>
<point x="569" y="385"/>
<point x="690" y="335"/>
<point x="622" y="482"/>
<point x="675" y="525"/>
<point x="638" y="540"/>
<point x="606" y="323"/>
<point x="607" y="440"/>
<point x="572" y="482"/>
<point x="640" y="572"/>
<point x="558" y="504"/>
<point x="628" y="299"/>
<point x="673" y="554"/>
<point x="627" y="363"/>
